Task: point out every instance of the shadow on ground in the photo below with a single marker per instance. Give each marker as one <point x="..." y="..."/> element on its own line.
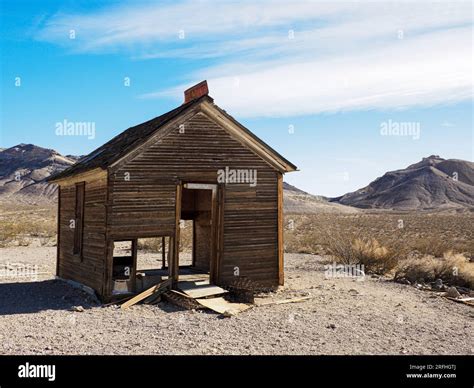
<point x="33" y="297"/>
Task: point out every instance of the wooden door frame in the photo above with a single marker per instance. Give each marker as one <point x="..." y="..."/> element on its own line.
<point x="216" y="228"/>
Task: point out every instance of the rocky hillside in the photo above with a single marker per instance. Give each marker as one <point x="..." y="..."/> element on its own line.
<point x="432" y="184"/>
<point x="297" y="201"/>
<point x="23" y="169"/>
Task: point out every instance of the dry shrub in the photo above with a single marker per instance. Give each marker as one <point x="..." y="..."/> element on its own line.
<point x="22" y="231"/>
<point x="434" y="246"/>
<point x="152" y="244"/>
<point x="453" y="268"/>
<point x="363" y="250"/>
<point x="416" y="269"/>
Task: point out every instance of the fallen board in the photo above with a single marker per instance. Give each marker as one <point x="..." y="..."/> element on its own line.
<point x="200" y="289"/>
<point x="284" y="301"/>
<point x="468" y="301"/>
<point x="182" y="300"/>
<point x="221" y="306"/>
<point x="158" y="288"/>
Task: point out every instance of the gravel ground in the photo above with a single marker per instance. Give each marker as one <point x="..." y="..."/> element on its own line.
<point x="345" y="316"/>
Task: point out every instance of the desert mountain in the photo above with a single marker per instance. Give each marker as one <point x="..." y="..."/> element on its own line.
<point x="296" y="201"/>
<point x="23" y="169"/>
<point x="433" y="183"/>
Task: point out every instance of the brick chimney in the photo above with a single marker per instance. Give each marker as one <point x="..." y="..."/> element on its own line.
<point x="196" y="91"/>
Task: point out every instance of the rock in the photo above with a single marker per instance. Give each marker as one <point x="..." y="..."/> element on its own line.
<point x="353" y="291"/>
<point x="78" y="309"/>
<point x="452" y="292"/>
<point x="331" y="326"/>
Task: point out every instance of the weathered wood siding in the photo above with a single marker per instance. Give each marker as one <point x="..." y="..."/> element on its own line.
<point x="142" y="194"/>
<point x="89" y="269"/>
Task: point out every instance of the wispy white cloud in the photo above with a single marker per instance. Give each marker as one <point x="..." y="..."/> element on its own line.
<point x="283" y="58"/>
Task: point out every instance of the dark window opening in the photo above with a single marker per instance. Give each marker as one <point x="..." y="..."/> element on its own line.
<point x="123" y="271"/>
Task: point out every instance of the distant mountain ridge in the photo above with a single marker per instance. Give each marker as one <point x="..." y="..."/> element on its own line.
<point x="297" y="201"/>
<point x="23" y="169"/>
<point x="433" y="183"/>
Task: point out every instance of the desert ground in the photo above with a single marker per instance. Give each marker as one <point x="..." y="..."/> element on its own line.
<point x="344" y="316"/>
<point x="370" y="315"/>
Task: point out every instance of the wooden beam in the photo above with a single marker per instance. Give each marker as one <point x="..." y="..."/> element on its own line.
<point x="281" y="273"/>
<point x="174" y="264"/>
<point x="214" y="215"/>
<point x="87" y="176"/>
<point x="193" y="259"/>
<point x="163" y="252"/>
<point x="285" y="301"/>
<point x="58" y="233"/>
<point x="158" y="288"/>
<point x="200" y="186"/>
<point x="134" y="264"/>
<point x="220" y="230"/>
<point x="108" y="260"/>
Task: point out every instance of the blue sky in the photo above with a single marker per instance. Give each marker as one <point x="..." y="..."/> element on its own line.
<point x="315" y="80"/>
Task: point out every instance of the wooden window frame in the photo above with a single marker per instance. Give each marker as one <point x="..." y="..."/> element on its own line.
<point x="79" y="205"/>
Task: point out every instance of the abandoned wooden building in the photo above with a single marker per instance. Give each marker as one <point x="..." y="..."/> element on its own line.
<point x="194" y="163"/>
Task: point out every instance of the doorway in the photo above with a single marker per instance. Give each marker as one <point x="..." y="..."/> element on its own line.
<point x="198" y="204"/>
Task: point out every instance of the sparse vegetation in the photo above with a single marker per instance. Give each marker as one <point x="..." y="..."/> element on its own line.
<point x="366" y="251"/>
<point x="418" y="247"/>
<point x="426" y="233"/>
<point x="23" y="224"/>
<point x="452" y="268"/>
<point x="153" y="244"/>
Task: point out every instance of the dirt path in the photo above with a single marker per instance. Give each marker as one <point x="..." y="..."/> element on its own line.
<point x="344" y="317"/>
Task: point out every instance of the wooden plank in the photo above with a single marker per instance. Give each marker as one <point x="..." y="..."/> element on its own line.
<point x="220" y="231"/>
<point x="467" y="301"/>
<point x="221" y="306"/>
<point x="174" y="264"/>
<point x="181" y="300"/>
<point x="214" y="225"/>
<point x="200" y="186"/>
<point x="58" y="232"/>
<point x="281" y="273"/>
<point x="285" y="301"/>
<point x="95" y="174"/>
<point x="200" y="289"/>
<point x="163" y="252"/>
<point x="158" y="288"/>
<point x="134" y="264"/>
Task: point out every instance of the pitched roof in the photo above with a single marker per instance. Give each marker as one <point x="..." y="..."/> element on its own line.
<point x="132" y="137"/>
